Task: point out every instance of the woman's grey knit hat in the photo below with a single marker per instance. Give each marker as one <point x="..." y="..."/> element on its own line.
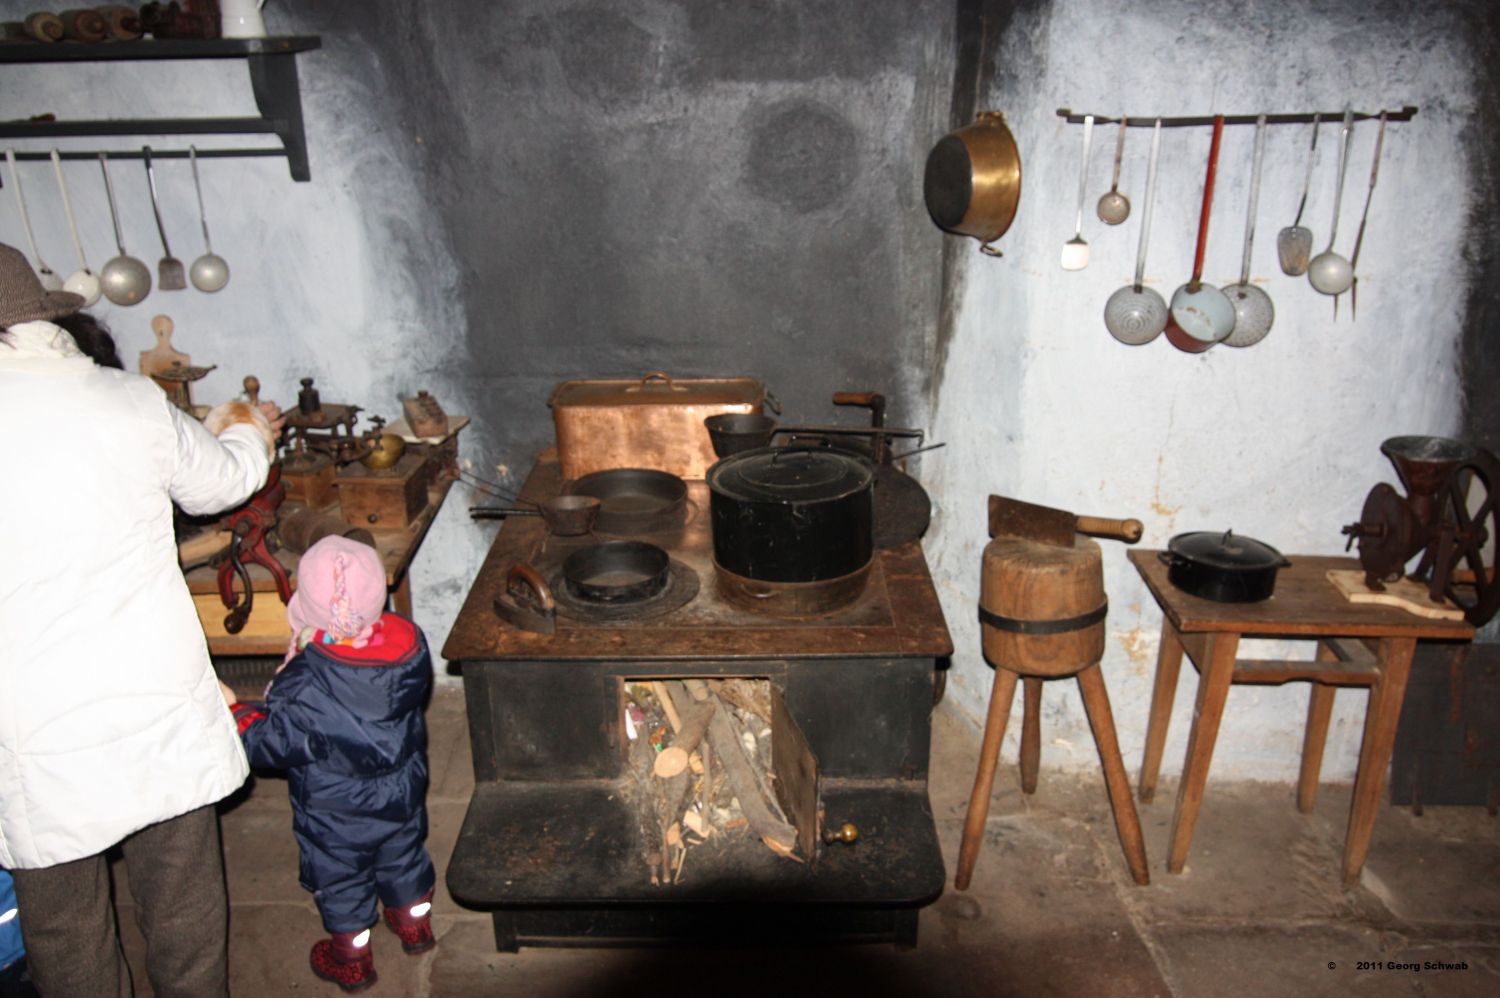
<point x="22" y="297"/>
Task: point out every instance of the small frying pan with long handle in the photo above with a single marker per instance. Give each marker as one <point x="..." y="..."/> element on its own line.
<point x="565" y="516"/>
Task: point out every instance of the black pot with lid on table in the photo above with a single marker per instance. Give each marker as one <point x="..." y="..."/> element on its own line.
<point x="1222" y="567"/>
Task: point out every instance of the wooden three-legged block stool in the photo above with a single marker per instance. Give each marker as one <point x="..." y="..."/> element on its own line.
<point x="1042" y="617"/>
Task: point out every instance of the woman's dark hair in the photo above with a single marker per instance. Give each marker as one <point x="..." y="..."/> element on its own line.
<point x="93" y="338"/>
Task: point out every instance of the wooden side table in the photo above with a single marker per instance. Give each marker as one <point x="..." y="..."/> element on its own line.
<point x="1358" y="645"/>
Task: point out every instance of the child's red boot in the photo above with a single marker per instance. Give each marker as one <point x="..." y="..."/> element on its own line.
<point x="345" y="959"/>
<point x="413" y="924"/>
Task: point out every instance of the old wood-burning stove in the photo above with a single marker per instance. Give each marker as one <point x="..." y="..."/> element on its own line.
<point x="549" y="845"/>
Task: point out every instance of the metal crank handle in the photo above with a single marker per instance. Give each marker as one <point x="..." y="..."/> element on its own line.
<point x="239" y="612"/>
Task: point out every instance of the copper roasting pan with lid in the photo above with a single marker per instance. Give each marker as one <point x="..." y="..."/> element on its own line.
<point x="651" y="422"/>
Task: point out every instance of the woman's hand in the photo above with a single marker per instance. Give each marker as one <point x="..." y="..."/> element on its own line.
<point x="273" y="415"/>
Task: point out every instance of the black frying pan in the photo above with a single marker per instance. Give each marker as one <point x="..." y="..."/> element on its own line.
<point x="633" y="500"/>
<point x="617" y="572"/>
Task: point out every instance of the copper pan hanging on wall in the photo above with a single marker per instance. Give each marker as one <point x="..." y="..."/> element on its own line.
<point x="972" y="184"/>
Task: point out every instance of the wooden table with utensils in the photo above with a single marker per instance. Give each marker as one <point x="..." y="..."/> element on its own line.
<point x="1358" y="645"/>
<point x="266" y="631"/>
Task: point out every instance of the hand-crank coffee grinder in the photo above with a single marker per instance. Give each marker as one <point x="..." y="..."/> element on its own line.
<point x="1436" y="518"/>
<point x="251" y="526"/>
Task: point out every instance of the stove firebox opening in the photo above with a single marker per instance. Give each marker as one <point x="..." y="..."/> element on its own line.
<point x="711" y="766"/>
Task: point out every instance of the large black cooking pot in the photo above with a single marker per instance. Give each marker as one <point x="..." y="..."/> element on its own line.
<point x="1222" y="567"/>
<point x="792" y="514"/>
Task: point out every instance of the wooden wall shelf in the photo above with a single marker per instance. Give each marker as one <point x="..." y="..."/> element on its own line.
<point x="273" y="79"/>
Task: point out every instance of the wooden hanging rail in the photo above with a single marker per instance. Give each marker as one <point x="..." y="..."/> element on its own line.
<point x="1299" y="118"/>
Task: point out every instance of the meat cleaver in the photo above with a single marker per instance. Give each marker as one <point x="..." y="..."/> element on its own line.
<point x="1013" y="518"/>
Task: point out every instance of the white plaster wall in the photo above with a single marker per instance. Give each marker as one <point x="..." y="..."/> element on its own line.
<point x="1278" y="441"/>
<point x="319" y="281"/>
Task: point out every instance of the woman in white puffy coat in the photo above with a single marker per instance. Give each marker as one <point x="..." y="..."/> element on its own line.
<point x="112" y="727"/>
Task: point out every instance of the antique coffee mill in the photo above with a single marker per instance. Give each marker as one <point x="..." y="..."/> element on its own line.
<point x="1448" y="516"/>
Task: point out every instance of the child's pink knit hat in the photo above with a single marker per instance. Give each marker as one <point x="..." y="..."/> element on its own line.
<point x="340" y="588"/>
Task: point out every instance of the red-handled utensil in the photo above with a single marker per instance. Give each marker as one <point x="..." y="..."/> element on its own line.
<point x="1202" y="315"/>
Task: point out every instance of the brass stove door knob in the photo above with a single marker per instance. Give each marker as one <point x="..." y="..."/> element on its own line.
<point x="846" y="833"/>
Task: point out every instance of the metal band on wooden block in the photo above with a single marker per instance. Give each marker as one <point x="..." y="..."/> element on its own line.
<point x="1016" y="626"/>
<point x="1045" y="604"/>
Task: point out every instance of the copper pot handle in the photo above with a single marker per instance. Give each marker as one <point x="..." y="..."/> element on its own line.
<point x="655" y="376"/>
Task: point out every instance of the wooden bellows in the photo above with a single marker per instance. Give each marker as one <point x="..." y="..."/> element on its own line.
<point x="1042" y="606"/>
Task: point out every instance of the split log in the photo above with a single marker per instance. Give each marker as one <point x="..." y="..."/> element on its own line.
<point x="694" y="822"/>
<point x="694" y="721"/>
<point x="648" y="812"/>
<point x="675" y="787"/>
<point x="741" y="776"/>
<point x="667" y="707"/>
<point x="750" y="697"/>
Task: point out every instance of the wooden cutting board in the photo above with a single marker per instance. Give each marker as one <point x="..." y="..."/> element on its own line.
<point x="1405" y="594"/>
<point x="162" y="357"/>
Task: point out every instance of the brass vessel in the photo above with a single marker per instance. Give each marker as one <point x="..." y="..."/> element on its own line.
<point x="972" y="184"/>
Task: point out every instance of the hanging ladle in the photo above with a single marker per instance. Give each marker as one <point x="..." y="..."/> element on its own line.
<point x="1202" y="314"/>
<point x="124" y="279"/>
<point x="1294" y="243"/>
<point x="1253" y="311"/>
<point x="1114" y="207"/>
<point x="50" y="280"/>
<point x="1075" y="252"/>
<point x="82" y="281"/>
<point x="210" y="272"/>
<point x="1329" y="272"/>
<point x="1136" y="314"/>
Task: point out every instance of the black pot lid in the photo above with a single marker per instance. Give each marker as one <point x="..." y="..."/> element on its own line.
<point x="790" y="475"/>
<point x="1226" y="550"/>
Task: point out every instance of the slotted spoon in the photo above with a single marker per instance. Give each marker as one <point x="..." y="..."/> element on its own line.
<point x="1294" y="243"/>
<point x="1136" y="314"/>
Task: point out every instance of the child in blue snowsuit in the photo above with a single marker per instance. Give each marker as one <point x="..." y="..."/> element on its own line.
<point x="344" y="718"/>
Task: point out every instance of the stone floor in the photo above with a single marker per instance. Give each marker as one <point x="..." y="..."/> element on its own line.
<point x="1051" y="911"/>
